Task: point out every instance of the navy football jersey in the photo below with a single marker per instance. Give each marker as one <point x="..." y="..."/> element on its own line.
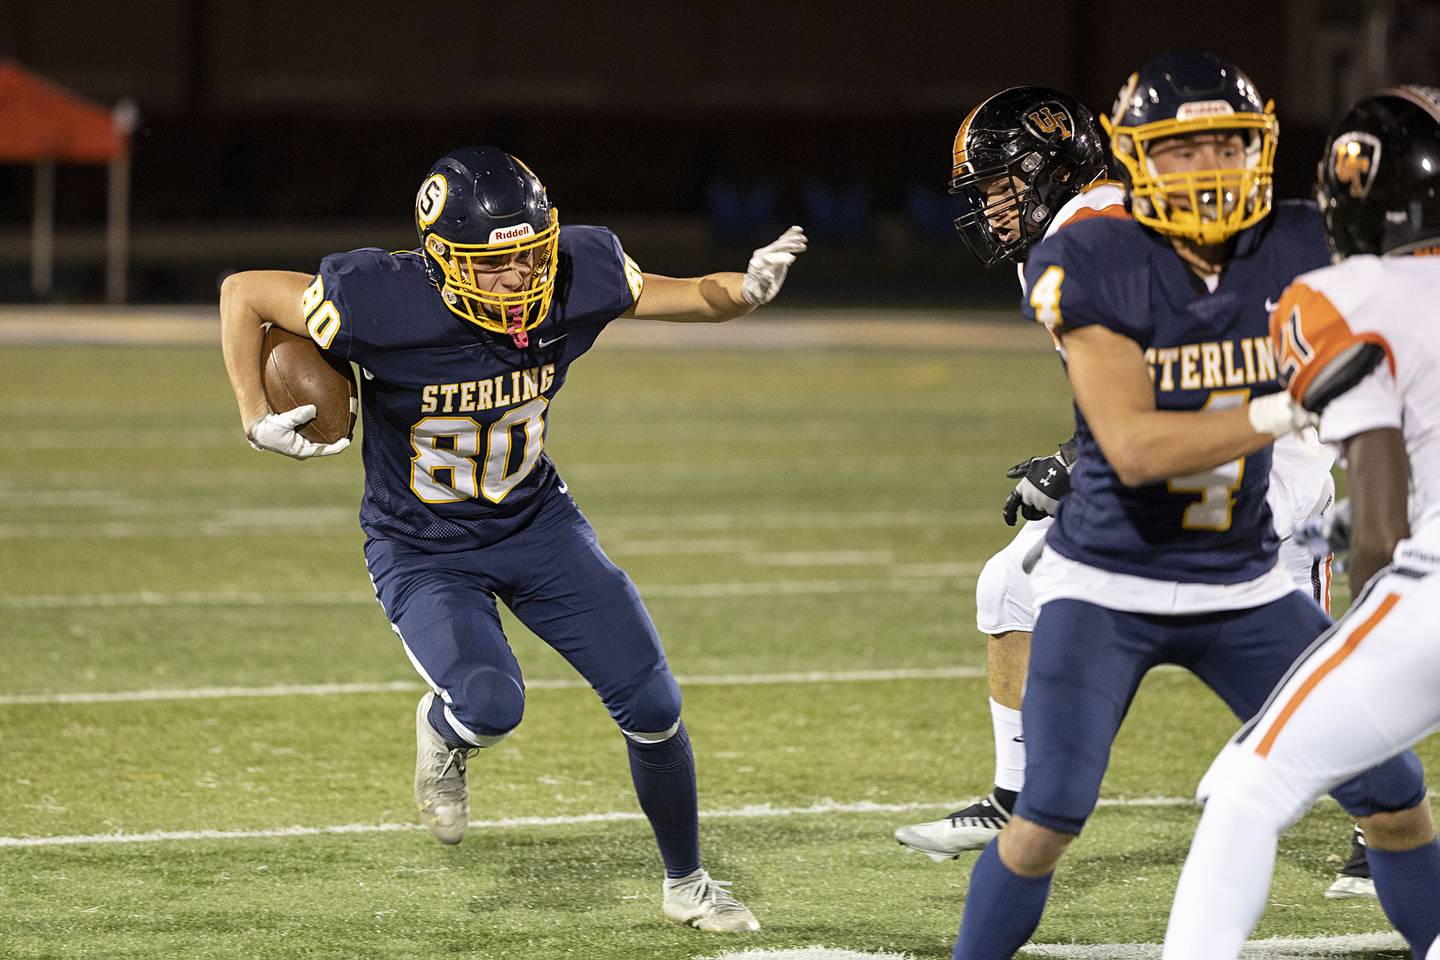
<point x="1205" y="350"/>
<point x="455" y="416"/>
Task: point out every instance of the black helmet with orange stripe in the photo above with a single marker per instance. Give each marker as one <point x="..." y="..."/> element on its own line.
<point x="1018" y="157"/>
<point x="1379" y="183"/>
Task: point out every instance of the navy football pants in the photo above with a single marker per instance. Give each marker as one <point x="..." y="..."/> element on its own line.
<point x="559" y="583"/>
<point x="1086" y="662"/>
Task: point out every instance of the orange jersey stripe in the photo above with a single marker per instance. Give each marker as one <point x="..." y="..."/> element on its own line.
<point x="1322" y="671"/>
<point x="1114" y="211"/>
<point x="1309" y="332"/>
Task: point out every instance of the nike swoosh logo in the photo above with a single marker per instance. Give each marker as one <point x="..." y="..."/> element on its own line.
<point x="1270" y="305"/>
<point x="563" y="487"/>
<point x="546" y="343"/>
<point x="1017" y="739"/>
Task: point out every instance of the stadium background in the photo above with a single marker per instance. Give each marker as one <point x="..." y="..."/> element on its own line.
<point x="274" y="132"/>
<point x="205" y="723"/>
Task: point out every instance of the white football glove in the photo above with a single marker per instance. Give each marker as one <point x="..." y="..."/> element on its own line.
<point x="1278" y="414"/>
<point x="768" y="266"/>
<point x="1326" y="534"/>
<point x="276" y="432"/>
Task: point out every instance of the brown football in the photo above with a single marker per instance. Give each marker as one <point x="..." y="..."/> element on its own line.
<point x="297" y="372"/>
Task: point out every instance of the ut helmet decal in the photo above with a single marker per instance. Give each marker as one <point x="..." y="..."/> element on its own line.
<point x="1354" y="160"/>
<point x="1049" y="121"/>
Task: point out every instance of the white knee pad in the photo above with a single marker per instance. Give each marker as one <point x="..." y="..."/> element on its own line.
<point x="1003" y="599"/>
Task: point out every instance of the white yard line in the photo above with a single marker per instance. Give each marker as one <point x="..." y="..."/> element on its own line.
<point x="819" y="558"/>
<point x="813" y="952"/>
<point x="917" y="579"/>
<point x="336" y="520"/>
<point x="751" y="812"/>
<point x="1299" y="948"/>
<point x="1296" y="948"/>
<point x="411" y="686"/>
<point x="183" y="598"/>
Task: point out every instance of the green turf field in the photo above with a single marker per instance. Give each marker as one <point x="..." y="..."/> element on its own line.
<point x="791" y="517"/>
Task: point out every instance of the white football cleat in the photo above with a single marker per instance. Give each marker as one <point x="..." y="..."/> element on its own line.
<point x="1347" y="887"/>
<point x="1353" y="881"/>
<point x="947" y="838"/>
<point x="705" y="904"/>
<point x="441" y="790"/>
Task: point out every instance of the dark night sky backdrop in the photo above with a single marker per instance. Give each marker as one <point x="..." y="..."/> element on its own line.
<point x="274" y="112"/>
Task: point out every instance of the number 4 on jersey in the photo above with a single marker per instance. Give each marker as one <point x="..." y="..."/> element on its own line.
<point x="1045" y="297"/>
<point x="1217" y="486"/>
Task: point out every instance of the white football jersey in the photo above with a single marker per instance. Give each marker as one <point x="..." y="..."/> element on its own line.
<point x="1393" y="302"/>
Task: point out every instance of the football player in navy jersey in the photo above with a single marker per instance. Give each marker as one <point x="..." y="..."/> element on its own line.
<point x="1164" y="550"/>
<point x="463" y="344"/>
<point x="1027" y="163"/>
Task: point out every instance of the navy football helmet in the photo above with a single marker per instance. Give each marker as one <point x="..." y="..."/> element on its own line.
<point x="485" y="224"/>
<point x="1379" y="184"/>
<point x="1018" y="157"/>
<point x="1187" y="93"/>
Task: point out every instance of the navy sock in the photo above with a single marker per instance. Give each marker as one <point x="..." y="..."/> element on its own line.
<point x="1002" y="909"/>
<point x="1409" y="887"/>
<point x="664" y="775"/>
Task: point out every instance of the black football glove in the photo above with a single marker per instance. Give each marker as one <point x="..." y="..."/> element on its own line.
<point x="1043" y="481"/>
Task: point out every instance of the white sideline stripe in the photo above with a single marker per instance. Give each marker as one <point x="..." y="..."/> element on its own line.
<point x="815" y="952"/>
<point x="409" y="686"/>
<point x="924" y="579"/>
<point x="1302" y="948"/>
<point x="1283" y="948"/>
<point x="255" y="523"/>
<point x="753" y="811"/>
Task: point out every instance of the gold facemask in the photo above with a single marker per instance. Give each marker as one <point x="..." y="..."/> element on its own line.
<point x="465" y="267"/>
<point x="1221" y="201"/>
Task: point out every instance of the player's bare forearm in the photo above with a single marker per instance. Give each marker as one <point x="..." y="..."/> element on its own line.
<point x="1113" y="389"/>
<point x="1379" y="501"/>
<point x="713" y="298"/>
<point x="248" y="300"/>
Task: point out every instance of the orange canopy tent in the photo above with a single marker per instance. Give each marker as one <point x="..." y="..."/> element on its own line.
<point x="45" y="124"/>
